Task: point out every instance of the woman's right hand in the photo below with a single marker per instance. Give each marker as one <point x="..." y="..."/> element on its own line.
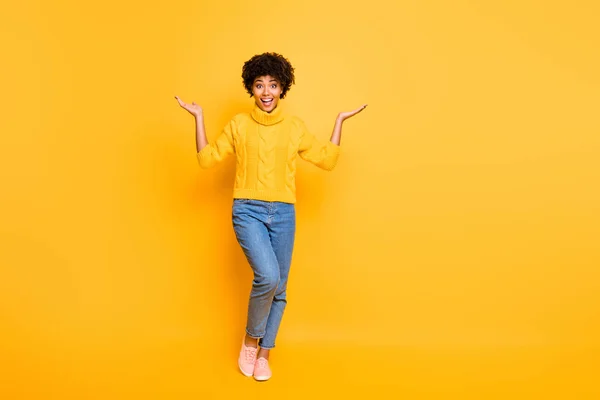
<point x="193" y="108"/>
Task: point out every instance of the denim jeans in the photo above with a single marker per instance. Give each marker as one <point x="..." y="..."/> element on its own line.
<point x="265" y="230"/>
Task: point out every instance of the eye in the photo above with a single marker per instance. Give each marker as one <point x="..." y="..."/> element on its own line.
<point x="274" y="86"/>
<point x="259" y="86"/>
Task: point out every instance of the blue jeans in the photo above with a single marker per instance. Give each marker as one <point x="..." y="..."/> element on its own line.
<point x="265" y="230"/>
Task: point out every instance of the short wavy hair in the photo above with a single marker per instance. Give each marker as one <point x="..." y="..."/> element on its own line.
<point x="272" y="64"/>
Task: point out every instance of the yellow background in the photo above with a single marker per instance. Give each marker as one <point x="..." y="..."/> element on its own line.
<point x="453" y="252"/>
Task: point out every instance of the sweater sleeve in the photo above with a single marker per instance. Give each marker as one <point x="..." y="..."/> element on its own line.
<point x="323" y="155"/>
<point x="218" y="150"/>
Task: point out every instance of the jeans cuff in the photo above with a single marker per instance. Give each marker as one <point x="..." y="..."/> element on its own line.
<point x="266" y="347"/>
<point x="254" y="336"/>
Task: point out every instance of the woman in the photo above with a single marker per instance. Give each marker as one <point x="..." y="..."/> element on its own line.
<point x="266" y="144"/>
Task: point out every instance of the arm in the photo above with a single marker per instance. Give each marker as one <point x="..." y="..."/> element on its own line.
<point x="324" y="156"/>
<point x="209" y="154"/>
<point x="198" y="114"/>
<point x="201" y="140"/>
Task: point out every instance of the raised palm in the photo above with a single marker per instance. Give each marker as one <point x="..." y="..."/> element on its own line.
<point x="193" y="108"/>
<point x="348" y="114"/>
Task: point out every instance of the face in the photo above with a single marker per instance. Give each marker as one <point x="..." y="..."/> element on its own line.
<point x="266" y="91"/>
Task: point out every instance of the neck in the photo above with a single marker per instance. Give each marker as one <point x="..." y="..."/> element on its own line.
<point x="266" y="118"/>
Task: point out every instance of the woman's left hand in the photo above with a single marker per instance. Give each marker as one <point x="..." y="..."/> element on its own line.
<point x="345" y="115"/>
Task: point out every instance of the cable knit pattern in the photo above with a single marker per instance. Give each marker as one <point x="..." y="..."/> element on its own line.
<point x="267" y="159"/>
<point x="266" y="146"/>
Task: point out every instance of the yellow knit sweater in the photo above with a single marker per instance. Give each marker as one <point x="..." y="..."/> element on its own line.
<point x="266" y="146"/>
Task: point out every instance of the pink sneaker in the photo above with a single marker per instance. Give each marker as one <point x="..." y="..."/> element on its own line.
<point x="247" y="359"/>
<point x="262" y="372"/>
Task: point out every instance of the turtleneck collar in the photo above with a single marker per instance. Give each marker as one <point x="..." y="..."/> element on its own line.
<point x="265" y="118"/>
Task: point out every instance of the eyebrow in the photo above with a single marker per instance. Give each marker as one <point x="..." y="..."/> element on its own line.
<point x="260" y="80"/>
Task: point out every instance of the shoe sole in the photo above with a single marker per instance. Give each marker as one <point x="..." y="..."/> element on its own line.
<point x="262" y="378"/>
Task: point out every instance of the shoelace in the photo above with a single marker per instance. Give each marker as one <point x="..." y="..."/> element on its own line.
<point x="250" y="354"/>
<point x="262" y="363"/>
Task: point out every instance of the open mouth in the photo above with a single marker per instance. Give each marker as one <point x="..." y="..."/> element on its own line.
<point x="267" y="102"/>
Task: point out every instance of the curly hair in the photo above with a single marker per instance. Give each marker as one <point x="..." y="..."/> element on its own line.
<point x="272" y="64"/>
